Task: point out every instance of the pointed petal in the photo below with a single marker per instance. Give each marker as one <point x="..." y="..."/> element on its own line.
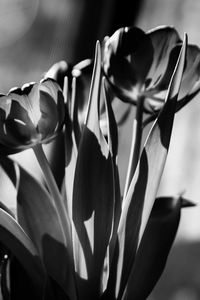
<point x="164" y="39"/>
<point x="128" y="56"/>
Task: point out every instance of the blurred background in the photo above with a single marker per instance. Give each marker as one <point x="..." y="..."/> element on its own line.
<point x="34" y="34"/>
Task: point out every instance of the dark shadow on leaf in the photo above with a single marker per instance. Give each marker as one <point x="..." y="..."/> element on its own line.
<point x="53" y="250"/>
<point x="93" y="196"/>
<point x="21" y="286"/>
<point x="8" y="166"/>
<point x="25" y="257"/>
<point x="132" y="228"/>
<point x="166" y="114"/>
<point x="135" y="213"/>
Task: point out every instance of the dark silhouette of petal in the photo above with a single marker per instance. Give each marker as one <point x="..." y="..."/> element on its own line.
<point x="128" y="56"/>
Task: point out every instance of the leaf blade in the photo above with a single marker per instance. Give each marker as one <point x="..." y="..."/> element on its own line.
<point x="37" y="214"/>
<point x="150" y="260"/>
<point x="93" y="190"/>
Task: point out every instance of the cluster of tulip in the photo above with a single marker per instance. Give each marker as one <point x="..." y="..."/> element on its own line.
<point x="88" y="239"/>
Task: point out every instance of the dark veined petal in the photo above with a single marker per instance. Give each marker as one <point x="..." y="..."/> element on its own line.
<point x="164" y="39"/>
<point x="128" y="56"/>
<point x="191" y="75"/>
<point x="30" y="115"/>
<point x="51" y="108"/>
<point x="190" y="84"/>
<point x="16" y="128"/>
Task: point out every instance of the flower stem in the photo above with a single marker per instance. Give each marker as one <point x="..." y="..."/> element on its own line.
<point x="136" y="143"/>
<point x="53" y="188"/>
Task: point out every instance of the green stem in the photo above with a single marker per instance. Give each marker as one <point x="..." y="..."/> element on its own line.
<point x="53" y="188"/>
<point x="136" y="143"/>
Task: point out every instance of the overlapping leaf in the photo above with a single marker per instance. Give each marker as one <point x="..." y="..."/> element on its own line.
<point x="138" y="203"/>
<point x="93" y="191"/>
<point x="154" y="247"/>
<point x="36" y="214"/>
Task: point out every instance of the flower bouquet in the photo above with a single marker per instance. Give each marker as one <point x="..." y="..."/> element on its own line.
<point x="89" y="238"/>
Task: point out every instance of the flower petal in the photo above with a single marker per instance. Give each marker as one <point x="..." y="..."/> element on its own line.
<point x="16" y="128"/>
<point x="191" y="75"/>
<point x="31" y="115"/>
<point x="164" y="39"/>
<point x="128" y="55"/>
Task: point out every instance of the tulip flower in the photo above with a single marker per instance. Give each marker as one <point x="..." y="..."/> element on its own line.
<point x="140" y="64"/>
<point x="30" y="115"/>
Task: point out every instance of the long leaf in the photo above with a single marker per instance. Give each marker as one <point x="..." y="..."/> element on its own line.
<point x="93" y="191"/>
<point x="112" y="137"/>
<point x="141" y="195"/>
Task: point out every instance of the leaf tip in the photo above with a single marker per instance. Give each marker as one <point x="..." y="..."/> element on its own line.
<point x="187" y="203"/>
